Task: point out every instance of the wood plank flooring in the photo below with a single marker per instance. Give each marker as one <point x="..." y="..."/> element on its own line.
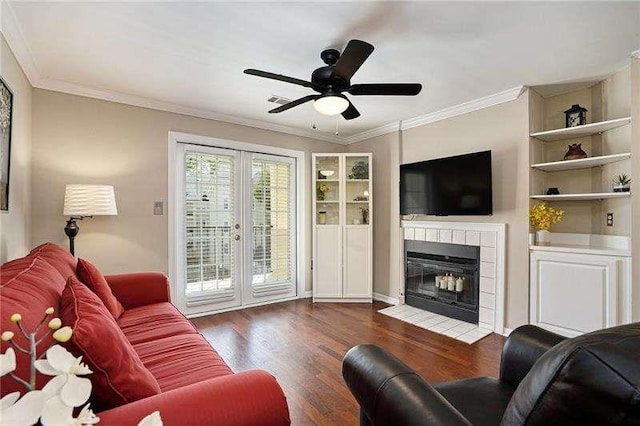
<point x="302" y="345"/>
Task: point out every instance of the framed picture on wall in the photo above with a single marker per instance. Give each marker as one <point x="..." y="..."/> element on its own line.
<point x="6" y="110"/>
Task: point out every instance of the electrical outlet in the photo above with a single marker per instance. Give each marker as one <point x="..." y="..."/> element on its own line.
<point x="158" y="208"/>
<point x="609" y="219"/>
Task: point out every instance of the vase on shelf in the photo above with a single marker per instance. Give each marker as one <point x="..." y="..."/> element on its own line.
<point x="543" y="237"/>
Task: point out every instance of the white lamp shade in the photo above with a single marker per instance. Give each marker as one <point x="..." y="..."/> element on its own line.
<point x="89" y="200"/>
<point x="331" y="105"/>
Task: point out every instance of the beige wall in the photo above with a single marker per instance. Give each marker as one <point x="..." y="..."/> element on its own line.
<point x="384" y="151"/>
<point x="83" y="140"/>
<point x="14" y="224"/>
<point x="504" y="129"/>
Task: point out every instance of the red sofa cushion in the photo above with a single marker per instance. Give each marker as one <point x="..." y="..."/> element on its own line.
<point x="181" y="360"/>
<point x="28" y="286"/>
<point x="118" y="377"/>
<point x="56" y="256"/>
<point x="152" y="322"/>
<point x="93" y="278"/>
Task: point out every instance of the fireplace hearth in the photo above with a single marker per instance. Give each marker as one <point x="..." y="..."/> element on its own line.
<point x="443" y="278"/>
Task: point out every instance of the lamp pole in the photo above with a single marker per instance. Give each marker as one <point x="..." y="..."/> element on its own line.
<point x="72" y="230"/>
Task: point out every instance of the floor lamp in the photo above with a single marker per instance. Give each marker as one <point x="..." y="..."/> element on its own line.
<point x="81" y="201"/>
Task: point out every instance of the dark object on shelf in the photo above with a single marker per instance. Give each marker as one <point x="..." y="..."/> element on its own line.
<point x="621" y="189"/>
<point x="365" y="215"/>
<point x="575" y="116"/>
<point x="359" y="170"/>
<point x="321" y="176"/>
<point x="545" y="379"/>
<point x="361" y="198"/>
<point x="575" y="152"/>
<point x="553" y="191"/>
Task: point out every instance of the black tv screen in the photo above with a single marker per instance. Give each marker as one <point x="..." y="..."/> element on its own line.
<point x="459" y="185"/>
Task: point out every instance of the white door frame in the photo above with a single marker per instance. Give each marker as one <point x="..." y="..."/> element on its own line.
<point x="174" y="220"/>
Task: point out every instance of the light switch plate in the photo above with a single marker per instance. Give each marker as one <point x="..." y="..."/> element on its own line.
<point x="158" y="208"/>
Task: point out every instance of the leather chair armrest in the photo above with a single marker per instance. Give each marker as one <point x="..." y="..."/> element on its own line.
<point x="391" y="393"/>
<point x="139" y="289"/>
<point x="248" y="398"/>
<point x="522" y="349"/>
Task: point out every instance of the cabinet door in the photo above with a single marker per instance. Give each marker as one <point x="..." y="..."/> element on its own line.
<point x="327" y="282"/>
<point x="357" y="262"/>
<point x="573" y="294"/>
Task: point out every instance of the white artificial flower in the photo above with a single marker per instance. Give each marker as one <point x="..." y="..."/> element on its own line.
<point x="24" y="411"/>
<point x="57" y="413"/>
<point x="7" y="362"/>
<point x="152" y="419"/>
<point x="74" y="391"/>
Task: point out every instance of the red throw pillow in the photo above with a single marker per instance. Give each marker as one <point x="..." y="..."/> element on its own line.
<point x="118" y="377"/>
<point x="93" y="278"/>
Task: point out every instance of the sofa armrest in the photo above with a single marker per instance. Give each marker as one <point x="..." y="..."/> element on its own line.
<point x="142" y="288"/>
<point x="522" y="349"/>
<point x="248" y="398"/>
<point x="389" y="392"/>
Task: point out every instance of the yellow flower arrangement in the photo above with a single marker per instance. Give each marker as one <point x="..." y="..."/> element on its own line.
<point x="321" y="190"/>
<point x="542" y="216"/>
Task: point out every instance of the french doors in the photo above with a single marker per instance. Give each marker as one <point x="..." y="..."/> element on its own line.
<point x="238" y="235"/>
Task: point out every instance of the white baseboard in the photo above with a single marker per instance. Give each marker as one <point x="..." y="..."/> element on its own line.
<point x="307" y="294"/>
<point x="386" y="299"/>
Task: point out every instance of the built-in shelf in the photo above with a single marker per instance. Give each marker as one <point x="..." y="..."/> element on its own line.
<point x="581" y="131"/>
<point x="357" y="180"/>
<point x="583" y="163"/>
<point x="327" y="180"/>
<point x="357" y="202"/>
<point x="582" y="197"/>
<point x="327" y="201"/>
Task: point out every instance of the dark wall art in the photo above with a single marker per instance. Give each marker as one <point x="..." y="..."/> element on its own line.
<point x="6" y="110"/>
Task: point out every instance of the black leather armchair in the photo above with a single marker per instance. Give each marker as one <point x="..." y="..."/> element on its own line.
<point x="545" y="379"/>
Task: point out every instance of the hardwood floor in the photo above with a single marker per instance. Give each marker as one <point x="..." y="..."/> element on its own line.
<point x="302" y="345"/>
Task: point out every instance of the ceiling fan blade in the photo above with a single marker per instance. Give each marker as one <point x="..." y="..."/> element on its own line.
<point x="279" y="77"/>
<point x="384" y="89"/>
<point x="352" y="58"/>
<point x="351" y="112"/>
<point x="294" y="104"/>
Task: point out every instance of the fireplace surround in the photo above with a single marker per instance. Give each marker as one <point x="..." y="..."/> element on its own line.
<point x="491" y="239"/>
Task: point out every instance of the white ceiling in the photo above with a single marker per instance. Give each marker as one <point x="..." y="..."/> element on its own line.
<point x="193" y="54"/>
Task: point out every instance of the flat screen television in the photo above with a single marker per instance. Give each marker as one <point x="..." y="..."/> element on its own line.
<point x="459" y="185"/>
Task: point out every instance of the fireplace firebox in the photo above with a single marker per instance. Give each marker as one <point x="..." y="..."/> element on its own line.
<point x="443" y="278"/>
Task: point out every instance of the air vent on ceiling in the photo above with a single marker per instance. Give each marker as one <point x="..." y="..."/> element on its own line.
<point x="278" y="100"/>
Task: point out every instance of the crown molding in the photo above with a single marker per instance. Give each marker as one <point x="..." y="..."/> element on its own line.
<point x="12" y="33"/>
<point x="464" y="108"/>
<point x="140" y="101"/>
<point x="368" y="134"/>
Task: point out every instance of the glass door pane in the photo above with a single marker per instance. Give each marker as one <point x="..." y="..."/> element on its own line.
<point x="209" y="207"/>
<point x="328" y="189"/>
<point x="272" y="224"/>
<point x="357" y="190"/>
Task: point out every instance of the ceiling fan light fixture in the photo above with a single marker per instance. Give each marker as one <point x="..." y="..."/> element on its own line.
<point x="331" y="104"/>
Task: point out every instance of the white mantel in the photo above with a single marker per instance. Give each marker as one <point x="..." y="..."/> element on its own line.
<point x="491" y="238"/>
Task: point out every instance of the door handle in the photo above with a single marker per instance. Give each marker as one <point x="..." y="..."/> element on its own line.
<point x="237" y="237"/>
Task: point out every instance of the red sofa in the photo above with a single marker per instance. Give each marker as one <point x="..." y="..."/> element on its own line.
<point x="197" y="387"/>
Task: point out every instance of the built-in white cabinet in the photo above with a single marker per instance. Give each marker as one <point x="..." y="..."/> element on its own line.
<point x="342" y="228"/>
<point x="575" y="293"/>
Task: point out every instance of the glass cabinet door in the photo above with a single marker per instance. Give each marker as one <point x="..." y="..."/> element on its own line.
<point x="358" y="205"/>
<point x="328" y="190"/>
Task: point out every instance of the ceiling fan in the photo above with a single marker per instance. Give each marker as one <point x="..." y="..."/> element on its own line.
<point x="333" y="79"/>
